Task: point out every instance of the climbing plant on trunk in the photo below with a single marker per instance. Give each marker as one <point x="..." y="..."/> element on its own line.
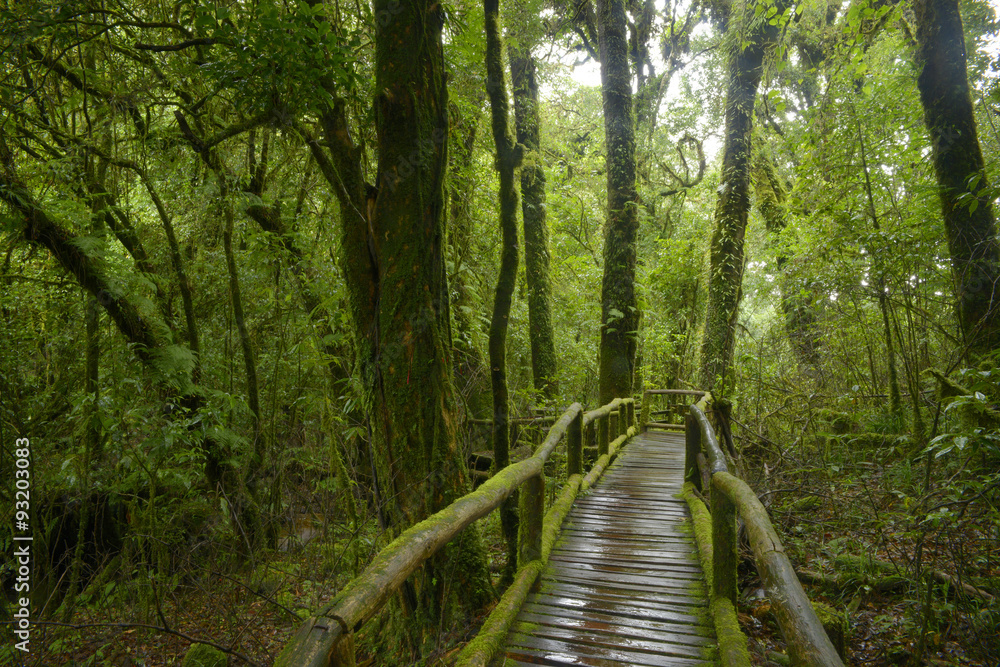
<point x="619" y="308"/>
<point x="533" y="212"/>
<point x="749" y="43"/>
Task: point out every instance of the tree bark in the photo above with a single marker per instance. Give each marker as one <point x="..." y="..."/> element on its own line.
<point x="726" y="272"/>
<point x="536" y="230"/>
<point x="619" y="308"/>
<point x="508" y="156"/>
<point x="415" y="414"/>
<point x="967" y="209"/>
<point x="798" y="310"/>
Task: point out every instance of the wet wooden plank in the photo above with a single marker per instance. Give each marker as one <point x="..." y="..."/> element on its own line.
<point x="604" y="620"/>
<point x="634" y="612"/>
<point x="623" y="585"/>
<point x="552" y="651"/>
<point x="573" y="595"/>
<point x="545" y="635"/>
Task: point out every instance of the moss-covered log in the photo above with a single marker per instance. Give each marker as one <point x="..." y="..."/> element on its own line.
<point x="733" y="651"/>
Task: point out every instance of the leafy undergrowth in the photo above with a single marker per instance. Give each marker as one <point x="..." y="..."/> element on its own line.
<point x="902" y="560"/>
<point x="249" y="610"/>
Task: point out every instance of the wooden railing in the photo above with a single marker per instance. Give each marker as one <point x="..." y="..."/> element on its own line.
<point x="671" y="409"/>
<point x="705" y="465"/>
<point x="328" y="638"/>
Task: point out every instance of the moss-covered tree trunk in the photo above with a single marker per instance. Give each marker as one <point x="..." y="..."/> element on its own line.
<point x="967" y="209"/>
<point x="798" y="306"/>
<point x="733" y="205"/>
<point x="536" y="229"/>
<point x="507" y="159"/>
<point x="619" y="309"/>
<point x="420" y="465"/>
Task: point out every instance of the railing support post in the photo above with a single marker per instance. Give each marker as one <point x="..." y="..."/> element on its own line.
<point x="343" y="653"/>
<point x="602" y="435"/>
<point x="613" y="431"/>
<point x="692" y="441"/>
<point x="644" y="414"/>
<point x="630" y="410"/>
<point x="529" y="531"/>
<point x="574" y="446"/>
<point x="724" y="547"/>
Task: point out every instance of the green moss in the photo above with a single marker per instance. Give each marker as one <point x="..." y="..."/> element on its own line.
<point x="489" y="642"/>
<point x="836" y="422"/>
<point x="203" y="655"/>
<point x="801" y="505"/>
<point x="835" y="624"/>
<point x="733" y="651"/>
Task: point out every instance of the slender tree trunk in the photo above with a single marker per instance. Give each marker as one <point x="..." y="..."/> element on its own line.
<point x="536" y="230"/>
<point x="177" y="260"/>
<point x="508" y="156"/>
<point x="895" y="402"/>
<point x="619" y="308"/>
<point x="800" y="318"/>
<point x="726" y="272"/>
<point x="967" y="208"/>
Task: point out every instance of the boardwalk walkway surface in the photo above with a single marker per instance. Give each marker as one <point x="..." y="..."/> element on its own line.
<point x="623" y="584"/>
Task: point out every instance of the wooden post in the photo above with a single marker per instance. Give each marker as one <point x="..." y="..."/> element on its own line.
<point x="630" y="411"/>
<point x="529" y="531"/>
<point x="613" y="425"/>
<point x="574" y="446"/>
<point x="602" y="435"/>
<point x="724" y="547"/>
<point x="692" y="439"/>
<point x="343" y="653"/>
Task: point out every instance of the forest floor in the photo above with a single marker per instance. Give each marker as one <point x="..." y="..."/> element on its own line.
<point x="836" y="516"/>
<point x="859" y="534"/>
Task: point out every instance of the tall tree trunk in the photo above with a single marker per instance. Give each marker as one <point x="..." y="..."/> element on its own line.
<point x="536" y="230"/>
<point x="800" y="316"/>
<point x="725" y="284"/>
<point x="415" y="416"/>
<point x="508" y="156"/>
<point x="968" y="211"/>
<point x="619" y="308"/>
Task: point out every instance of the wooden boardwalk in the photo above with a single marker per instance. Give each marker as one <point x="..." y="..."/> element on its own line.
<point x="623" y="584"/>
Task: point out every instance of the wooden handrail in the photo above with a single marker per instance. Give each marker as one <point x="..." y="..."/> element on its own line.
<point x="326" y="640"/>
<point x="807" y="642"/>
<point x="644" y="419"/>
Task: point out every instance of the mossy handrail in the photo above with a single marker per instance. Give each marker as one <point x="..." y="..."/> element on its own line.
<point x="806" y="640"/>
<point x="327" y="639"/>
<point x="677" y="393"/>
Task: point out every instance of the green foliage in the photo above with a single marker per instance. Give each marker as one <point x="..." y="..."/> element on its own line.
<point x="276" y="52"/>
